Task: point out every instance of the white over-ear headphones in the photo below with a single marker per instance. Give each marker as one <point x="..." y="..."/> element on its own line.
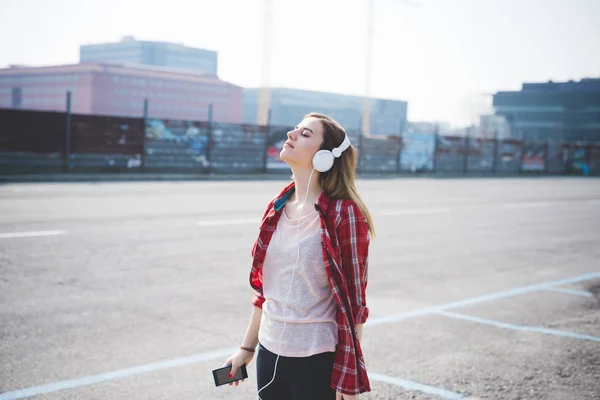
<point x="323" y="159"/>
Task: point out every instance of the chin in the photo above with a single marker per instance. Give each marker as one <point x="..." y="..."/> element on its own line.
<point x="283" y="155"/>
<point x="286" y="158"/>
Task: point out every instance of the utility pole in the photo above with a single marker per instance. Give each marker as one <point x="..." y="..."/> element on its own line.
<point x="366" y="115"/>
<point x="366" y="118"/>
<point x="264" y="90"/>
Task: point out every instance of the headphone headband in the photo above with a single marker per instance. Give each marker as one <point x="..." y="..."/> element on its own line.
<point x="337" y="152"/>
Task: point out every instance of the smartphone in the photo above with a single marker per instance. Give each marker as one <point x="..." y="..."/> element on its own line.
<point x="221" y="375"/>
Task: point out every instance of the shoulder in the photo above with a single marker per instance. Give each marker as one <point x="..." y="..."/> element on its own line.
<point x="346" y="210"/>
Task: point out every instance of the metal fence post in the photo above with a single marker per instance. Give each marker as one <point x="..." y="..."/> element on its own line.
<point x="361" y="150"/>
<point x="266" y="146"/>
<point x="400" y="145"/>
<point x="399" y="156"/>
<point x="521" y="156"/>
<point x="466" y="157"/>
<point x="67" y="156"/>
<point x="145" y="127"/>
<point x="496" y="149"/>
<point x="209" y="138"/>
<point x="435" y="152"/>
<point x="547" y="157"/>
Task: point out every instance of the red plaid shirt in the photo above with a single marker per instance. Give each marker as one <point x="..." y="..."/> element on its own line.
<point x="345" y="242"/>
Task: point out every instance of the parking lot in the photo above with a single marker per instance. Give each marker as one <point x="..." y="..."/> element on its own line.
<point x="478" y="288"/>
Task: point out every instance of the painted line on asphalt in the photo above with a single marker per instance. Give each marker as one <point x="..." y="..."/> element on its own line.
<point x="515" y="327"/>
<point x="570" y="291"/>
<point x="417" y="387"/>
<point x="481" y="299"/>
<point x="123" y="373"/>
<point x="12" y="235"/>
<point x="221" y="222"/>
<point x="415" y="211"/>
<point x="244" y="221"/>
<point x="533" y="204"/>
<point x="201" y="357"/>
<point x="250" y="221"/>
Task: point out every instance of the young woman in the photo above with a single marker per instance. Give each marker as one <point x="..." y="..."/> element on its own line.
<point x="309" y="273"/>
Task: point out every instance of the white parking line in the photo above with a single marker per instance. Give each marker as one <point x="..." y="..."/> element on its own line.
<point x="533" y="204"/>
<point x="415" y="386"/>
<point x="208" y="356"/>
<point x="221" y="222"/>
<point x="385" y="213"/>
<point x="570" y="291"/>
<point x="481" y="299"/>
<point x="515" y="327"/>
<point x="415" y="211"/>
<point x="12" y="235"/>
<point x="123" y="373"/>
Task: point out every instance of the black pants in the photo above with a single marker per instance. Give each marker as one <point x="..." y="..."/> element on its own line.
<point x="297" y="378"/>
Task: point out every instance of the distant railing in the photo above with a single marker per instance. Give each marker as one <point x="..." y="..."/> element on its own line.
<point x="36" y="142"/>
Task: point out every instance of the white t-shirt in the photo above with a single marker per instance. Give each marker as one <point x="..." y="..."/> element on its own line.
<point x="311" y="309"/>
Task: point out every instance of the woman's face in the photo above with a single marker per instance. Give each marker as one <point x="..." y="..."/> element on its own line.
<point x="302" y="143"/>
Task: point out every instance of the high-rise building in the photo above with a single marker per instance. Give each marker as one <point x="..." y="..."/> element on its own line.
<point x="288" y="106"/>
<point x="554" y="111"/>
<point x="160" y="54"/>
<point x="108" y="89"/>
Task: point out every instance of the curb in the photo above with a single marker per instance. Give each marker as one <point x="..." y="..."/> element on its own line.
<point x="141" y="177"/>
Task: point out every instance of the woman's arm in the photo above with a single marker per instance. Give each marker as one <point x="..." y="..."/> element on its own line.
<point x="251" y="336"/>
<point x="250" y="340"/>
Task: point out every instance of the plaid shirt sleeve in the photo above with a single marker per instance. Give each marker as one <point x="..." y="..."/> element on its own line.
<point x="354" y="240"/>
<point x="257" y="298"/>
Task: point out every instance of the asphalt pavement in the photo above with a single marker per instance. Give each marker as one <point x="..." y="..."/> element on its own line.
<point x="478" y="288"/>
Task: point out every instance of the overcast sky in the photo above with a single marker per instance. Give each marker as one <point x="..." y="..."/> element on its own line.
<point x="439" y="57"/>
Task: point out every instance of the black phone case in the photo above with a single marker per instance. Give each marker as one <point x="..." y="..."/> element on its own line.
<point x="220" y="383"/>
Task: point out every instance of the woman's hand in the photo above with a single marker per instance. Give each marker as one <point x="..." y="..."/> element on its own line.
<point x="236" y="360"/>
<point x="340" y="396"/>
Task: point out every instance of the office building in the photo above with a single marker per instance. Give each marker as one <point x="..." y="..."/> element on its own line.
<point x="288" y="106"/>
<point x="553" y="111"/>
<point x="111" y="89"/>
<point x="159" y="54"/>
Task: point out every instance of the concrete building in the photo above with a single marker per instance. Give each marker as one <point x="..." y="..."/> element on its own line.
<point x="493" y="127"/>
<point x="159" y="54"/>
<point x="555" y="111"/>
<point x="388" y="117"/>
<point x="111" y="89"/>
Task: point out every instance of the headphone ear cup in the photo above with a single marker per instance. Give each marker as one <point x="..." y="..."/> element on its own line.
<point x="323" y="160"/>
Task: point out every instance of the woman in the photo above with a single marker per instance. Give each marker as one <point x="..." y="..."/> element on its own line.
<point x="310" y="285"/>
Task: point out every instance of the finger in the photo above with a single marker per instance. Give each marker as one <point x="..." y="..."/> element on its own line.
<point x="233" y="370"/>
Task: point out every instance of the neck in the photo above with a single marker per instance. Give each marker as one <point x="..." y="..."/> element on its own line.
<point x="301" y="178"/>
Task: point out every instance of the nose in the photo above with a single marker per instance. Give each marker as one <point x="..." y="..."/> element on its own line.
<point x="292" y="134"/>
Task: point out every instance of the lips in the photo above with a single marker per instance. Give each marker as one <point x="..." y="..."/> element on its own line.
<point x="289" y="144"/>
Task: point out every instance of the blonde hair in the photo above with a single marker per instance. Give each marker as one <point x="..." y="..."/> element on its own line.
<point x="338" y="182"/>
